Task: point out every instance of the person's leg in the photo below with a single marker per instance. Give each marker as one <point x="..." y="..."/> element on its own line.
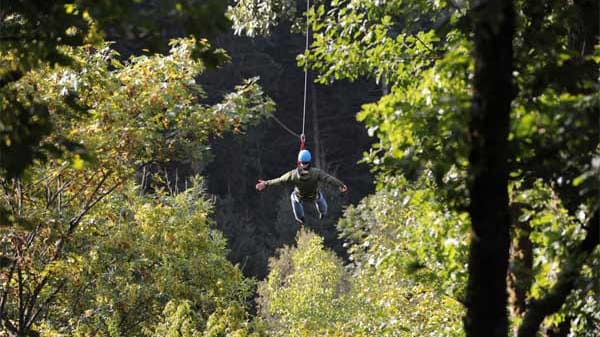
<point x="321" y="205"/>
<point x="297" y="208"/>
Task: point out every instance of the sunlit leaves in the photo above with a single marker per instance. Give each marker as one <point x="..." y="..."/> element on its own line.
<point x="308" y="293"/>
<point x="151" y="104"/>
<point x="407" y="226"/>
<point x="304" y="291"/>
<point x="258" y="18"/>
<point x="142" y="110"/>
<point x="420" y="53"/>
<point x="423" y="124"/>
<point x="147" y="252"/>
<point x="553" y="235"/>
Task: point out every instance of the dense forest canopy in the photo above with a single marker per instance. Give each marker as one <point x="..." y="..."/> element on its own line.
<point x="132" y="134"/>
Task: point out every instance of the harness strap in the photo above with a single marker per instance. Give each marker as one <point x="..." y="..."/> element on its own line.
<point x="302" y="141"/>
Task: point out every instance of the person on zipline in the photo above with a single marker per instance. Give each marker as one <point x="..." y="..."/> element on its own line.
<point x="306" y="180"/>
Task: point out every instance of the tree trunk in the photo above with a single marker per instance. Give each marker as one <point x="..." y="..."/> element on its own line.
<point x="520" y="276"/>
<point x="587" y="26"/>
<point x="493" y="92"/>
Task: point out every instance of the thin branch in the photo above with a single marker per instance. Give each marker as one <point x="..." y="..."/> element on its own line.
<point x="143" y="184"/>
<point x="84" y="185"/>
<point x="34" y="296"/>
<point x="8" y="195"/>
<point x="74" y="222"/>
<point x="89" y="203"/>
<point x="427" y="47"/>
<point x="31" y="236"/>
<point x="5" y="292"/>
<point x="21" y="300"/>
<point x="167" y="179"/>
<point x="19" y="189"/>
<point x="45" y="305"/>
<point x="52" y="176"/>
<point x="58" y="192"/>
<point x="7" y="324"/>
<point x="27" y="309"/>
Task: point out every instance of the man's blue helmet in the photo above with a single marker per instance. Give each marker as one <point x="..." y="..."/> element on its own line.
<point x="304" y="156"/>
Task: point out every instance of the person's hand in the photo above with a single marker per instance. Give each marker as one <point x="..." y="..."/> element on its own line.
<point x="343" y="188"/>
<point x="261" y="185"/>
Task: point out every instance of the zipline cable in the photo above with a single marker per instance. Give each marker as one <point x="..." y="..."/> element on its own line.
<point x="302" y="137"/>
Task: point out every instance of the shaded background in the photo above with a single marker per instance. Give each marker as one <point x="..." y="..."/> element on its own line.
<point x="256" y="224"/>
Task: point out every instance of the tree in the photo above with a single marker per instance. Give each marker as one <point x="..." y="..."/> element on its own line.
<point x="135" y="119"/>
<point x="493" y="92"/>
<point x="309" y="292"/>
<point x="32" y="35"/>
<point x="435" y="117"/>
<point x="150" y="259"/>
<point x="304" y="293"/>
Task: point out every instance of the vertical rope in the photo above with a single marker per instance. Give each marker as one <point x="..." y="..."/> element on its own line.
<point x="305" y="74"/>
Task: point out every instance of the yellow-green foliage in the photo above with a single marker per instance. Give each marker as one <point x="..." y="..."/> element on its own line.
<point x="148" y="108"/>
<point x="405" y="225"/>
<point x="310" y="293"/>
<point x="148" y="252"/>
<point x="180" y="320"/>
<point x="421" y="53"/>
<point x="101" y="259"/>
<point x="553" y="234"/>
<point x="304" y="294"/>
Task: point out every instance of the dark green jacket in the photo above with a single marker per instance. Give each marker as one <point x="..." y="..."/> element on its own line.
<point x="306" y="182"/>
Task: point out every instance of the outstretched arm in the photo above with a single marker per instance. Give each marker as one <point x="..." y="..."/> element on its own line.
<point x="333" y="181"/>
<point x="262" y="184"/>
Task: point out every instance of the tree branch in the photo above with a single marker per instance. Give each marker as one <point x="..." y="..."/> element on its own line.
<point x="570" y="270"/>
<point x="12" y="331"/>
<point x="5" y="292"/>
<point x="32" y="300"/>
<point x="83" y="186"/>
<point x="28" y="311"/>
<point x="91" y="203"/>
<point x="8" y="195"/>
<point x="21" y="300"/>
<point x="44" y="305"/>
<point x="426" y="46"/>
<point x="74" y="222"/>
<point x="57" y="193"/>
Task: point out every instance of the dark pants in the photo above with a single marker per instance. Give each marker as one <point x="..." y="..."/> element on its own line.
<point x="297" y="206"/>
